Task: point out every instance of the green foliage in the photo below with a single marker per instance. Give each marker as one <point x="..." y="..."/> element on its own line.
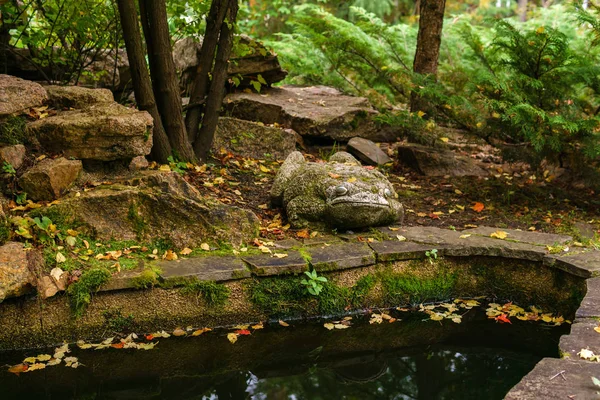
<point x="7" y="168"/>
<point x="177" y="166"/>
<point x="406" y="288"/>
<point x="116" y="321"/>
<point x="62" y="36"/>
<point x="214" y="294"/>
<point x="80" y="292"/>
<point x="12" y="129"/>
<point x="431" y="255"/>
<point x="313" y="282"/>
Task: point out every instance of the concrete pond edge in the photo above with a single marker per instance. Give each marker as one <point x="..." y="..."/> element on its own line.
<point x="551" y="378"/>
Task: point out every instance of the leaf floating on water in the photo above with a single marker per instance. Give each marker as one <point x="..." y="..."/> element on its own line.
<point x="376" y="319"/>
<point x="179" y="332"/>
<point x="243" y="332"/>
<point x="18" y="369"/>
<point x="329" y="326"/>
<point x="258" y="326"/>
<point x="341" y="326"/>
<point x="44" y="357"/>
<point x="503" y="319"/>
<point x="147" y="346"/>
<point x="201" y="331"/>
<point x="283" y="323"/>
<point x="36" y="366"/>
<point x="232" y="337"/>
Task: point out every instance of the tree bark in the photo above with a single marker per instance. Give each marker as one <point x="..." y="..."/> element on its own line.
<point x="214" y="21"/>
<point x="164" y="77"/>
<point x="522" y="10"/>
<point x="161" y="149"/>
<point x="429" y="38"/>
<point x="217" y="87"/>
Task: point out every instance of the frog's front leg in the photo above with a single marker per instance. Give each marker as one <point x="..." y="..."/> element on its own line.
<point x="302" y="209"/>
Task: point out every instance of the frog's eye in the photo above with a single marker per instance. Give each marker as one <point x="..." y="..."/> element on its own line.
<point x="387" y="192"/>
<point x="341" y="190"/>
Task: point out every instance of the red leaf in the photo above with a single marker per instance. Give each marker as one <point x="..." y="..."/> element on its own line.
<point x="149" y="337"/>
<point x="503" y="319"/>
<point x="117" y="345"/>
<point x="243" y="332"/>
<point x="478" y="207"/>
<point x="17" y="369"/>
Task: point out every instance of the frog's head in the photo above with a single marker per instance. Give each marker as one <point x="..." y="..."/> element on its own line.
<point x="362" y="202"/>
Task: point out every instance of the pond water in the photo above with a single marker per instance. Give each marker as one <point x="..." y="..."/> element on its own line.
<point x="414" y="358"/>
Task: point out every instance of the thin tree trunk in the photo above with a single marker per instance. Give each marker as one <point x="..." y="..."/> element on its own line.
<point x="217" y="87"/>
<point x="161" y="149"/>
<point x="522" y="10"/>
<point x="429" y="38"/>
<point x="214" y="20"/>
<point x="164" y="77"/>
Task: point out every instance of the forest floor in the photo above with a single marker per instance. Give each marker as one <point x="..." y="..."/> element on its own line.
<point x="512" y="196"/>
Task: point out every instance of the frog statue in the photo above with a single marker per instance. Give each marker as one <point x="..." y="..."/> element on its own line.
<point x="339" y="194"/>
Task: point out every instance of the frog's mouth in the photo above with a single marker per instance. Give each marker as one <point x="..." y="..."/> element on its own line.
<point x="360" y="201"/>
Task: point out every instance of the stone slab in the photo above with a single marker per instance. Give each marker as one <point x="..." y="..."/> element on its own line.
<point x="582" y="336"/>
<point x="577" y="383"/>
<point x="209" y="268"/>
<point x="428" y="234"/>
<point x="367" y="151"/>
<point x="590" y="305"/>
<point x="342" y="256"/>
<point x="536" y="238"/>
<point x="394" y="250"/>
<point x="123" y="280"/>
<point x="585" y="264"/>
<point x="267" y="265"/>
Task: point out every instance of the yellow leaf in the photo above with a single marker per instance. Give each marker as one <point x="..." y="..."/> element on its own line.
<point x="71" y="232"/>
<point x="499" y="235"/>
<point x="232" y="337"/>
<point x="597" y="329"/>
<point x="341" y="326"/>
<point x="264" y="169"/>
<point x="444" y="139"/>
<point x="258" y="326"/>
<point x="60" y="258"/>
<point x="283" y="323"/>
<point x="201" y="331"/>
<point x="351" y="180"/>
<point x="279" y="255"/>
<point x="436" y="316"/>
<point x="44" y="357"/>
<point x="185" y="251"/>
<point x="400" y="238"/>
<point x="164" y="168"/>
<point x="179" y="332"/>
<point x="458" y="192"/>
<point x="420" y="114"/>
<point x="540" y="30"/>
<point x="334" y="176"/>
<point x="466" y="235"/>
<point x="329" y="326"/>
<point x="263" y="206"/>
<point x="205" y="247"/>
<point x="170" y="255"/>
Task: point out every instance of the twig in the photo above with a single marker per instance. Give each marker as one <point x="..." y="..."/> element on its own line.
<point x="561" y="374"/>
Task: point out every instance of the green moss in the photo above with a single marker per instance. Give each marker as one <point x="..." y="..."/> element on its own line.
<point x="138" y="223"/>
<point x="147" y="279"/>
<point x="213" y="293"/>
<point x="361" y="289"/>
<point x="402" y="288"/>
<point x="116" y="321"/>
<point x="12" y="131"/>
<point x="5" y="231"/>
<point x="80" y="292"/>
<point x="279" y="297"/>
<point x="305" y="255"/>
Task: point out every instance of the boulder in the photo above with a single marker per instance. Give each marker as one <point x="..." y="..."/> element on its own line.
<point x="77" y="96"/>
<point x="17" y="95"/>
<point x="138" y="163"/>
<point x="14" y="155"/>
<point x="156" y="205"/>
<point x="18" y="270"/>
<point x="317" y="111"/>
<point x="49" y="179"/>
<point x="251" y="139"/>
<point x="367" y="151"/>
<point x="103" y="132"/>
<point x="432" y="161"/>
<point x="101" y="71"/>
<point x="252" y="59"/>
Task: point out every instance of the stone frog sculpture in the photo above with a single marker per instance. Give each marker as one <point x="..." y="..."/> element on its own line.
<point x="339" y="193"/>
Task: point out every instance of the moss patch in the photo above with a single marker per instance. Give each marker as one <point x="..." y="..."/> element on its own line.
<point x="12" y="131"/>
<point x="214" y="294"/>
<point x="147" y="279"/>
<point x="80" y="292"/>
<point x="405" y="288"/>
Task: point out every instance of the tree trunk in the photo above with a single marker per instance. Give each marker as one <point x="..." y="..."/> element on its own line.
<point x="214" y="20"/>
<point x="161" y="149"/>
<point x="217" y="87"/>
<point x="164" y="77"/>
<point x="522" y="10"/>
<point x="429" y="38"/>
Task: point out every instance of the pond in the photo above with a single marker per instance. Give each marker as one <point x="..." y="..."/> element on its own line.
<point x="411" y="358"/>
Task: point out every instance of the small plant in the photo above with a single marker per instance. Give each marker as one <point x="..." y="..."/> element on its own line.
<point x="116" y="321"/>
<point x="7" y="168"/>
<point x="21" y="198"/>
<point x="313" y="283"/>
<point x="177" y="166"/>
<point x="80" y="292"/>
<point x="596" y="382"/>
<point x="46" y="229"/>
<point x="431" y="255"/>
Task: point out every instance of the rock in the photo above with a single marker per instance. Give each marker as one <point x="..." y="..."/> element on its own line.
<point x="103" y="132"/>
<point x="316" y="111"/>
<point x="18" y="269"/>
<point x="14" y="155"/>
<point x="49" y="179"/>
<point x="17" y="95"/>
<point x="156" y="205"/>
<point x="256" y="60"/>
<point x="138" y="163"/>
<point x="100" y="71"/>
<point x="76" y="96"/>
<point x="251" y="139"/>
<point x="367" y="151"/>
<point x="431" y="161"/>
<point x="46" y="287"/>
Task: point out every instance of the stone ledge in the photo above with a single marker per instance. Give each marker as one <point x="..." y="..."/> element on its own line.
<point x="394" y="250"/>
<point x="539" y="385"/>
<point x="590" y="305"/>
<point x="582" y="336"/>
<point x="535" y="238"/>
<point x="585" y="265"/>
<point x="209" y="268"/>
<point x="266" y="265"/>
<point x="342" y="256"/>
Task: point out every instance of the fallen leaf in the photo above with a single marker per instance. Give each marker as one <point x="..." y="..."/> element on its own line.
<point x="17" y="369"/>
<point x="341" y="326"/>
<point x="329" y="325"/>
<point x="280" y="255"/>
<point x="205" y="247"/>
<point x="499" y="235"/>
<point x="60" y="258"/>
<point x="351" y="180"/>
<point x="232" y="337"/>
<point x="201" y="331"/>
<point x="243" y="332"/>
<point x="283" y="323"/>
<point x="478" y="207"/>
<point x="466" y="235"/>
<point x="503" y="319"/>
<point x="185" y="251"/>
<point x="401" y="238"/>
<point x="179" y="332"/>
